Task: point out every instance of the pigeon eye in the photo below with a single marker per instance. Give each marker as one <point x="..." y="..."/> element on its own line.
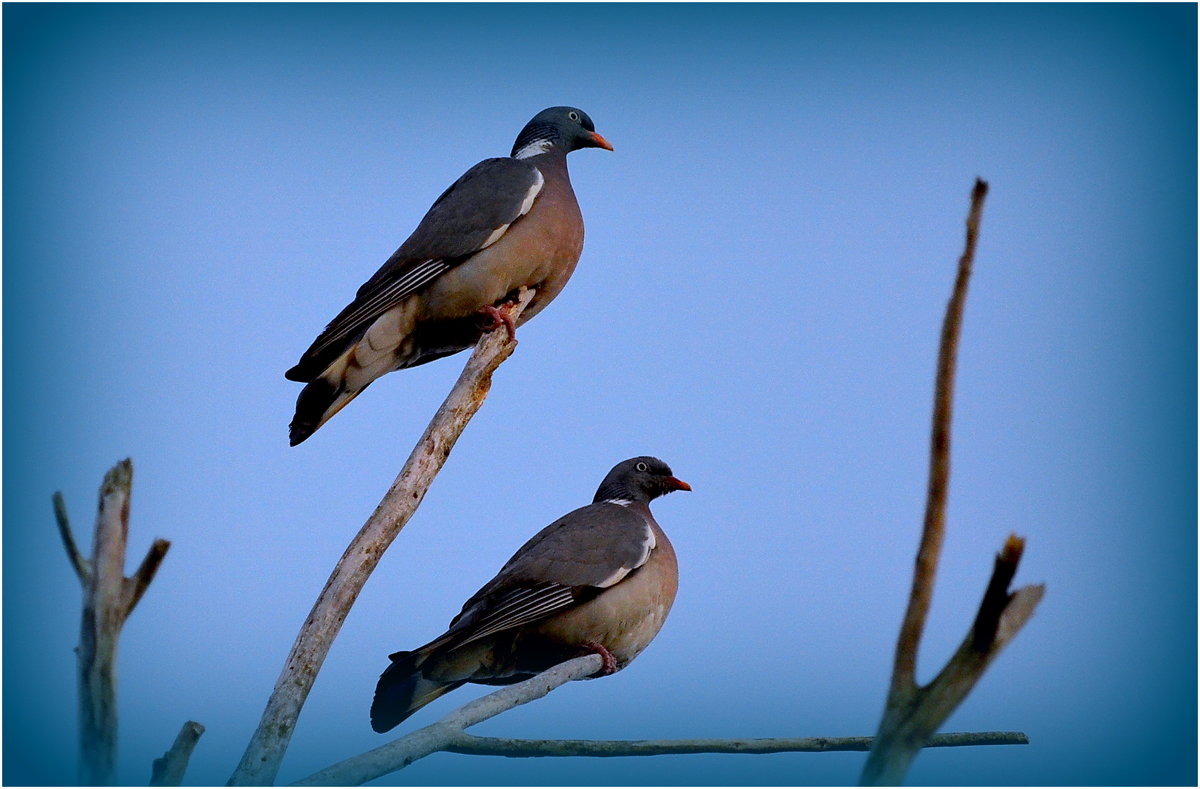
<point x="642" y="467"/>
<point x="573" y="116"/>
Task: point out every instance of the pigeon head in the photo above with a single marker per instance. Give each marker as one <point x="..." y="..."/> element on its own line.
<point x="565" y="128"/>
<point x="640" y="479"/>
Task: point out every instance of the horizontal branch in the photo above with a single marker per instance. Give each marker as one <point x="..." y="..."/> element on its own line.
<point x="503" y="746"/>
<point x="449" y="735"/>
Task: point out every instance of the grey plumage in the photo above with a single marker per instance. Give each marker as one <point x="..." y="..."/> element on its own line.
<point x="601" y="578"/>
<point x="506" y="223"/>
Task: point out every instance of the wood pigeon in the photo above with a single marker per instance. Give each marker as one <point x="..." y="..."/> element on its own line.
<point x="599" y="579"/>
<point x="506" y="223"/>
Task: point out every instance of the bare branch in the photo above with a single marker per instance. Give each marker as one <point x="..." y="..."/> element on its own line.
<point x="503" y="746"/>
<point x="532" y="689"/>
<point x="260" y="763"/>
<point x="912" y="712"/>
<point x="169" y="769"/>
<point x="82" y="570"/>
<point x="108" y="597"/>
<point x="995" y="599"/>
<point x="906" y="724"/>
<point x="449" y="735"/>
<point x="933" y="533"/>
<point x="1021" y="606"/>
<point x="135" y="585"/>
<point x="402" y="752"/>
<point x="103" y="616"/>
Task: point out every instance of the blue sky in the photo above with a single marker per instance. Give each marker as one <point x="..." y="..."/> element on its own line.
<point x="192" y="191"/>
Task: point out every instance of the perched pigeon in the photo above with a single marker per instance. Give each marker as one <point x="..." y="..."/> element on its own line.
<point x="599" y="579"/>
<point x="506" y="223"/>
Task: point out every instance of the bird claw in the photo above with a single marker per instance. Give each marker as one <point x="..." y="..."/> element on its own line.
<point x="496" y="319"/>
<point x="608" y="663"/>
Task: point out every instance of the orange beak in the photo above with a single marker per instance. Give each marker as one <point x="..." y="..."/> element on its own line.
<point x="600" y="142"/>
<point x="677" y="484"/>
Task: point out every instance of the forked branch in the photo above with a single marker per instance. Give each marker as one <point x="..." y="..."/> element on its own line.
<point x="912" y="715"/>
<point x="108" y="599"/>
<point x="913" y="712"/>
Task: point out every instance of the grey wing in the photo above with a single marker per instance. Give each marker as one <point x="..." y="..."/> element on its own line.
<point x="471" y="215"/>
<point x="570" y="561"/>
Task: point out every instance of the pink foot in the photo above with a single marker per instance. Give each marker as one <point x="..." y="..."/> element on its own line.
<point x="498" y="318"/>
<point x="608" y="663"/>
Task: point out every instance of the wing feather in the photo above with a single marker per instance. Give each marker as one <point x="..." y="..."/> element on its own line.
<point x="358" y="315"/>
<point x="474" y="213"/>
<point x="570" y="561"/>
<point x="514" y="608"/>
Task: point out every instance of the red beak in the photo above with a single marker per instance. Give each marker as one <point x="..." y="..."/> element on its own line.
<point x="677" y="484"/>
<point x="600" y="142"/>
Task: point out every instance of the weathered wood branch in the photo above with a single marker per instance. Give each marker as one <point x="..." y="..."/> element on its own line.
<point x="168" y="769"/>
<point x="449" y="735"/>
<point x="912" y="712"/>
<point x="401" y="752"/>
<point x="103" y="616"/>
<point x="108" y="598"/>
<point x="83" y="570"/>
<point x="516" y="748"/>
<point x="135" y="585"/>
<point x="934" y="530"/>
<point x="264" y="754"/>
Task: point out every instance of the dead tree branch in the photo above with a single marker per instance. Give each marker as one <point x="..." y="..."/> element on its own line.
<point x="503" y="746"/>
<point x="168" y="769"/>
<point x="449" y="735"/>
<point x="914" y="712"/>
<point x="108" y="599"/>
<point x="1000" y="616"/>
<point x="402" y="752"/>
<point x="135" y="585"/>
<point x="260" y="762"/>
<point x="83" y="569"/>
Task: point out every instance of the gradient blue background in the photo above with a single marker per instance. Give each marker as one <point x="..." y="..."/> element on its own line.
<point x="191" y="192"/>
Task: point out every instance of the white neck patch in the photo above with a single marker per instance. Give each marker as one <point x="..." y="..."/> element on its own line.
<point x="535" y="148"/>
<point x="621" y="502"/>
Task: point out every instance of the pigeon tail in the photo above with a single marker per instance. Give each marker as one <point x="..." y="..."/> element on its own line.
<point x="316" y="405"/>
<point x="402" y="690"/>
